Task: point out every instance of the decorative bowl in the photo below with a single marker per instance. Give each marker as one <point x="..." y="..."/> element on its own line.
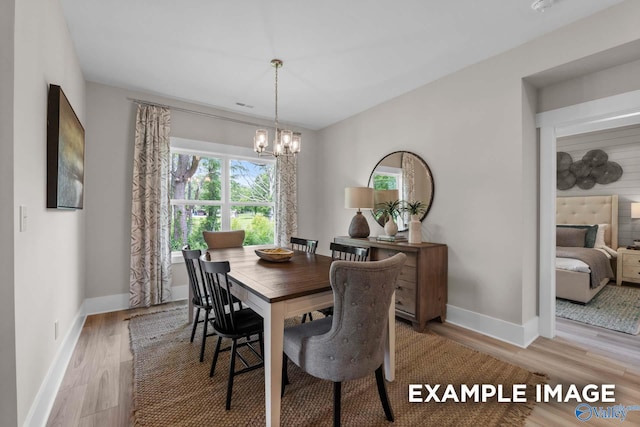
<point x="275" y="254"/>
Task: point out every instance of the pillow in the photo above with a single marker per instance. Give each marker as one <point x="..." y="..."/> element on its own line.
<point x="600" y="243"/>
<point x="570" y="237"/>
<point x="590" y="237"/>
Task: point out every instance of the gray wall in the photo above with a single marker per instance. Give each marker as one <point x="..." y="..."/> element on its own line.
<point x="8" y="380"/>
<point x="623" y="146"/>
<point x="600" y="84"/>
<point x="49" y="267"/>
<point x="474" y="129"/>
<point x="110" y="134"/>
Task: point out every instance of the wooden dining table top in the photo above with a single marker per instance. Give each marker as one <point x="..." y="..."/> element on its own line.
<point x="303" y="274"/>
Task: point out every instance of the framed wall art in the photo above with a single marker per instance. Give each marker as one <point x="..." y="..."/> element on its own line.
<point x="65" y="153"/>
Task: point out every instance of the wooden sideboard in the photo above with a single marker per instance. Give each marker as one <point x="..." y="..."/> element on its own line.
<point x="421" y="290"/>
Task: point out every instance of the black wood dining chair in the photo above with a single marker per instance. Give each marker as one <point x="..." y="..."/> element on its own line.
<point x="309" y="246"/>
<point x="343" y="252"/>
<point x="200" y="298"/>
<point x="232" y="323"/>
<point x="305" y="245"/>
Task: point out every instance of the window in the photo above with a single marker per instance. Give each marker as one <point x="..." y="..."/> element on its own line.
<point x="220" y="191"/>
<point x="387" y="178"/>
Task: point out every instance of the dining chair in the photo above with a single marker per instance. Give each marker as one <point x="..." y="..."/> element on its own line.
<point x="349" y="344"/>
<point x="305" y="245"/>
<point x="232" y="323"/>
<point x="308" y="246"/>
<point x="200" y="298"/>
<point x="342" y="252"/>
<point x="223" y="239"/>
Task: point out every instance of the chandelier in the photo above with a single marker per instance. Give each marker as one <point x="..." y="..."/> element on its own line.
<point x="286" y="142"/>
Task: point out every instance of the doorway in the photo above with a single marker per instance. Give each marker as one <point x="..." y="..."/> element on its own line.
<point x="606" y="113"/>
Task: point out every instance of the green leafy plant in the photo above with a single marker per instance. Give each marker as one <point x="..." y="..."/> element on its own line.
<point x="414" y="208"/>
<point x="389" y="209"/>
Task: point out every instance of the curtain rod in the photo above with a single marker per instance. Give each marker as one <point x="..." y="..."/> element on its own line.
<point x="200" y="113"/>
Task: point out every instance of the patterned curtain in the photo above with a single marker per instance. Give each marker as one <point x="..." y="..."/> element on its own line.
<point x="150" y="274"/>
<point x="408" y="178"/>
<point x="286" y="200"/>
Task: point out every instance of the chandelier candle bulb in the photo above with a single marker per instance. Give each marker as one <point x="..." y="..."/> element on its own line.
<point x="286" y="138"/>
<point x="261" y="140"/>
<point x="296" y="142"/>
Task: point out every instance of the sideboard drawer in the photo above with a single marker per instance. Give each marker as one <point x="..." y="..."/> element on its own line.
<point x="378" y="254"/>
<point x="421" y="288"/>
<point x="406" y="298"/>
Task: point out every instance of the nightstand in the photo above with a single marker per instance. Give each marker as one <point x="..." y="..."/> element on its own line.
<point x="628" y="266"/>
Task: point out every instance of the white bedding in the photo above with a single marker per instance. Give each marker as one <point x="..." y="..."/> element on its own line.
<point x="572" y="264"/>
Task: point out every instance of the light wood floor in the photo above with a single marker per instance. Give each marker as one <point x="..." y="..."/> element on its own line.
<point x="97" y="387"/>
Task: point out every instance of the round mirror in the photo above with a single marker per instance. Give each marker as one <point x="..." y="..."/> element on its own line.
<point x="404" y="177"/>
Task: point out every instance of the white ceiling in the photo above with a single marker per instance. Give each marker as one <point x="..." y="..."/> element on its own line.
<point x="340" y="56"/>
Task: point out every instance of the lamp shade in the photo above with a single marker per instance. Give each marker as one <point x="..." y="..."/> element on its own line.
<point x="384" y="196"/>
<point x="635" y="210"/>
<point x="358" y="197"/>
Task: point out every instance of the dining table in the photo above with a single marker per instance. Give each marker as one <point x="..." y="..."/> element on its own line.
<point x="281" y="290"/>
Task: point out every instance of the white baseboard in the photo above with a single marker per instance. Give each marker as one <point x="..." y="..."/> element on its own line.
<point x="518" y="335"/>
<point x="121" y="301"/>
<point x="44" y="400"/>
<point x="106" y="304"/>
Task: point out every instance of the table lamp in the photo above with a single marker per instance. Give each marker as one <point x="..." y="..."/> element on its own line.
<point x="358" y="198"/>
<point x="635" y="214"/>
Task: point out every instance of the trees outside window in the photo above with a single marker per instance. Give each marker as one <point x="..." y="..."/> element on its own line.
<point x="211" y="192"/>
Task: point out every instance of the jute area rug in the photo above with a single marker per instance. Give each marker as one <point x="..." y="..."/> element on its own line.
<point x="172" y="388"/>
<point x="615" y="307"/>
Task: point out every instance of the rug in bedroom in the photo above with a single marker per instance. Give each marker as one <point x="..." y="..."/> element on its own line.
<point x="615" y="307"/>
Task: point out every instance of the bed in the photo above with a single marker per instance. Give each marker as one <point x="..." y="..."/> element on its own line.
<point x="574" y="281"/>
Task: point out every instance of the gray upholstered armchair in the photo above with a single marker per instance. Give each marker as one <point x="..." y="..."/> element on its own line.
<point x="349" y="344"/>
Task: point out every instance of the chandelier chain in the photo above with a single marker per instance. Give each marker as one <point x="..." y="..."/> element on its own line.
<point x="276" y="65"/>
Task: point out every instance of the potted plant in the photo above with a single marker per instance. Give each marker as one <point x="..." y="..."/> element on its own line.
<point x="390" y="211"/>
<point x="415" y="209"/>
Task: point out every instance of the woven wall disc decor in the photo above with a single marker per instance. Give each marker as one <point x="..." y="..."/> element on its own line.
<point x="594" y="168"/>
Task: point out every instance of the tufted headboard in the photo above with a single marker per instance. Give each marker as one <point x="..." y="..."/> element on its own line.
<point x="590" y="210"/>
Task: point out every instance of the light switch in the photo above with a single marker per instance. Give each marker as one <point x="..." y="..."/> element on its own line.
<point x="23" y="218"/>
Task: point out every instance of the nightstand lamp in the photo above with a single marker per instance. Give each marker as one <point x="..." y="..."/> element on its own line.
<point x="635" y="214"/>
<point x="358" y="198"/>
